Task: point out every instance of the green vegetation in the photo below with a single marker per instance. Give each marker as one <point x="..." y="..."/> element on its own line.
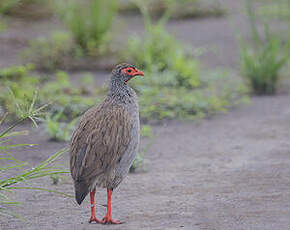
<point x="263" y="60"/>
<point x="54" y="52"/>
<point x="146" y="131"/>
<point x="7" y="5"/>
<point x="158" y="101"/>
<point x="57" y="130"/>
<point x="174" y="86"/>
<point x="2" y="26"/>
<point x="58" y="91"/>
<point x="159" y="51"/>
<point x="90" y="22"/>
<point x="58" y="178"/>
<point x="139" y="163"/>
<point x="279" y="9"/>
<point x="11" y="183"/>
<point x="26" y="8"/>
<point x="181" y="8"/>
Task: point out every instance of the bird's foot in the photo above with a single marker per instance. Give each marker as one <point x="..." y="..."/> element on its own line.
<point x="109" y="220"/>
<point x="95" y="219"/>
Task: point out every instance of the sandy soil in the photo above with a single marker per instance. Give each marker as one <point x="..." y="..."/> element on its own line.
<point x="229" y="172"/>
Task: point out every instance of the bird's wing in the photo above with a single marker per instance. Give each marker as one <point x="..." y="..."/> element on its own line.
<point x="99" y="142"/>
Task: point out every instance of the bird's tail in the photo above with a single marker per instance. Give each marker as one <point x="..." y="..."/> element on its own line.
<point x="81" y="191"/>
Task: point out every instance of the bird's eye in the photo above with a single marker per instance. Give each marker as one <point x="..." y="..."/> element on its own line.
<point x="129" y="70"/>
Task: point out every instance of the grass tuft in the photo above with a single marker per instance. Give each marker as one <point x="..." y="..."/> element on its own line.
<point x="12" y="183"/>
<point x="181" y="8"/>
<point x="57" y="130"/>
<point x="175" y="86"/>
<point x="89" y="22"/>
<point x="57" y="91"/>
<point x="262" y="61"/>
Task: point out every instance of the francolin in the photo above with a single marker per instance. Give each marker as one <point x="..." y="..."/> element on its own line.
<point x="105" y="143"/>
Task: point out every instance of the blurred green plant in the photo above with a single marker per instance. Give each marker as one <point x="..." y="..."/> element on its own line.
<point x="58" y="91"/>
<point x="10" y="183"/>
<point x="57" y="130"/>
<point x="219" y="92"/>
<point x="51" y="53"/>
<point x="174" y="86"/>
<point x="2" y="26"/>
<point x="7" y="5"/>
<point x="279" y="9"/>
<point x="31" y="8"/>
<point x="146" y="131"/>
<point x="159" y="51"/>
<point x="262" y="61"/>
<point x="139" y="163"/>
<point x="89" y="21"/>
<point x="181" y="8"/>
<point x="58" y="178"/>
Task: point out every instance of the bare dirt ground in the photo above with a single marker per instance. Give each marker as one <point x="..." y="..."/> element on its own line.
<point x="230" y="172"/>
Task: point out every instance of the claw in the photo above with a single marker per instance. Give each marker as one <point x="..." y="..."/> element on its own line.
<point x="108" y="220"/>
<point x="95" y="219"/>
<point x="108" y="217"/>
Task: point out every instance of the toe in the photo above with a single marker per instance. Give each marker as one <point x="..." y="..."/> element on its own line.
<point x="110" y="221"/>
<point x="94" y="219"/>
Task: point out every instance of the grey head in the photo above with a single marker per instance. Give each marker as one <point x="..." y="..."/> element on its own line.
<point x="124" y="72"/>
<point x="121" y="75"/>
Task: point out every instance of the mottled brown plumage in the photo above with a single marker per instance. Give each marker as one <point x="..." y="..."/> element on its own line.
<point x="99" y="142"/>
<point x="105" y="142"/>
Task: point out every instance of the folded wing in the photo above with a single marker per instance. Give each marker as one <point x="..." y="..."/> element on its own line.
<point x="99" y="142"/>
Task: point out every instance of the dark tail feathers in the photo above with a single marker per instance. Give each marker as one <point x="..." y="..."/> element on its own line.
<point x="81" y="191"/>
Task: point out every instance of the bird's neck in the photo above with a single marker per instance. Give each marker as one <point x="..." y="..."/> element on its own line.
<point x="120" y="91"/>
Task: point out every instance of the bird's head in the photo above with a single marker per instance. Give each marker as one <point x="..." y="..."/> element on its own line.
<point x="125" y="72"/>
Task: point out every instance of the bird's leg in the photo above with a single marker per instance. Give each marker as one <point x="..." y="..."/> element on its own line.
<point x="108" y="217"/>
<point x="93" y="211"/>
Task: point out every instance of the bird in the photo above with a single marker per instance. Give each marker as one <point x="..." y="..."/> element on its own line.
<point x="105" y="142"/>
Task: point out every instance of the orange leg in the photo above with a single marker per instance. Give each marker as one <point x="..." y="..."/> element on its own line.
<point x="93" y="211"/>
<point x="108" y="217"/>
